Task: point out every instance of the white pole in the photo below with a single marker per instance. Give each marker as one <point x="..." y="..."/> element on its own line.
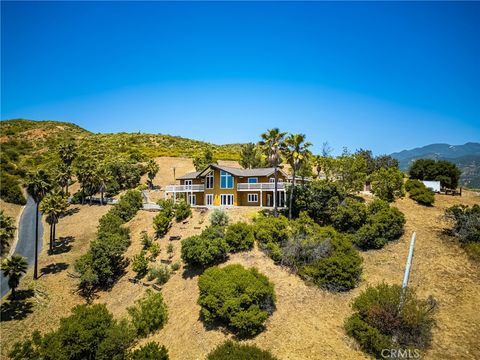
<point x="408" y="266"/>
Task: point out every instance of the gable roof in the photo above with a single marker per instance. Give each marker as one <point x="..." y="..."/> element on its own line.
<point x="242" y="172"/>
<point x="191" y="175"/>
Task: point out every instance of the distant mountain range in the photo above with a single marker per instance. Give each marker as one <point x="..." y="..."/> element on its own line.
<point x="466" y="157"/>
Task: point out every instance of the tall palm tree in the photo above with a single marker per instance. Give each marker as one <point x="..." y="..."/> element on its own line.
<point x="296" y="152"/>
<point x="152" y="170"/>
<point x="13" y="268"/>
<point x="7" y="230"/>
<point x="103" y="177"/>
<point x="63" y="177"/>
<point x="38" y="185"/>
<point x="271" y="145"/>
<point x="53" y="206"/>
<point x="86" y="175"/>
<point x="67" y="152"/>
<point x="317" y="160"/>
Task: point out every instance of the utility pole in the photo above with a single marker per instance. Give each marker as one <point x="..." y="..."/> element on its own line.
<point x="408" y="266"/>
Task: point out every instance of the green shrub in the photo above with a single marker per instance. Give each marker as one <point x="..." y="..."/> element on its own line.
<point x="10" y="190"/>
<point x="387" y="184"/>
<point x="90" y="332"/>
<point x="240" y="298"/>
<point x="230" y="350"/>
<point x="149" y="351"/>
<point x="175" y="266"/>
<point x="340" y="269"/>
<point x="219" y="217"/>
<point x="161" y="223"/>
<point x="167" y="207"/>
<point x="161" y="274"/>
<point x="205" y="249"/>
<point x="349" y="216"/>
<point x="379" y="318"/>
<point x="140" y="264"/>
<point x="271" y="233"/>
<point x="182" y="211"/>
<point x="239" y="237"/>
<point x="154" y="250"/>
<point x="147" y="241"/>
<point x="128" y="205"/>
<point x="149" y="314"/>
<point x="420" y="193"/>
<point x="384" y="224"/>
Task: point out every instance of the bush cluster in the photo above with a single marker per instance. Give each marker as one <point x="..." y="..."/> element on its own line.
<point x="160" y="274"/>
<point x="234" y="351"/>
<point x="104" y="262"/>
<point x="420" y="193"/>
<point x="10" y="190"/>
<point x="219" y="217"/>
<point x="381" y="322"/>
<point x="163" y="220"/>
<point x="149" y="351"/>
<point x="242" y="299"/>
<point x="239" y="237"/>
<point x="149" y="313"/>
<point x="383" y="224"/>
<point x="182" y="211"/>
<point x="205" y="249"/>
<point x="444" y="171"/>
<point x="466" y="227"/>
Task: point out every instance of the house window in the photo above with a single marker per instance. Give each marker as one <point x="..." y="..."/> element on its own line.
<point x="209" y="200"/>
<point x="192" y="199"/>
<point x="252" y="198"/>
<point x="252" y="180"/>
<point x="226" y="200"/>
<point x="272" y="179"/>
<point x="188" y="184"/>
<point x="209" y="180"/>
<point x="226" y="180"/>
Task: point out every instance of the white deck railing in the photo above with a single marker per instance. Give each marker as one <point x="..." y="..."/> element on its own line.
<point x="184" y="188"/>
<point x="268" y="186"/>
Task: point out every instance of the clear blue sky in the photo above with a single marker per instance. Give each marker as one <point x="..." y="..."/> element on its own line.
<point x="384" y="76"/>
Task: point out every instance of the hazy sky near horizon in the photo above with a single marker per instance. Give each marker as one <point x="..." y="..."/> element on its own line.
<point x="379" y="75"/>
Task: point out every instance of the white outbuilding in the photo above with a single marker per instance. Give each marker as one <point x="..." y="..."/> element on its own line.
<point x="432" y="185"/>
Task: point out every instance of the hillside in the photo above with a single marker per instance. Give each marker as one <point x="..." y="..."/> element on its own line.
<point x="466" y="157"/>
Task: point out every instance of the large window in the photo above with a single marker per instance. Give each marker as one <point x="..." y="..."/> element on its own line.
<point x="209" y="199"/>
<point x="209" y="180"/>
<point x="252" y="198"/>
<point x="226" y="180"/>
<point x="252" y="180"/>
<point x="226" y="200"/>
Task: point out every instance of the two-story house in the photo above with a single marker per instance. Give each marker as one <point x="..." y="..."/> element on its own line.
<point x="226" y="186"/>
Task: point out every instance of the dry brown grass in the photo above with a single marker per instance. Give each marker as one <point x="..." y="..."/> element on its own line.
<point x="308" y="322"/>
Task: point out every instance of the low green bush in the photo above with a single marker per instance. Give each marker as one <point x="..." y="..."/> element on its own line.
<point x="349" y="216"/>
<point x="128" y="205"/>
<point x="149" y="313"/>
<point x="205" y="249"/>
<point x="381" y="322"/>
<point x="10" y="190"/>
<point x="239" y="237"/>
<point x="154" y="250"/>
<point x="140" y="264"/>
<point x="182" y="211"/>
<point x="219" y="217"/>
<point x="231" y="350"/>
<point x="160" y="274"/>
<point x="271" y="233"/>
<point x="149" y="351"/>
<point x="162" y="223"/>
<point x="147" y="241"/>
<point x="420" y="193"/>
<point x="240" y="298"/>
<point x="175" y="266"/>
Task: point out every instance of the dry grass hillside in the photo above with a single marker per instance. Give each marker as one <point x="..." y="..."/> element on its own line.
<point x="308" y="322"/>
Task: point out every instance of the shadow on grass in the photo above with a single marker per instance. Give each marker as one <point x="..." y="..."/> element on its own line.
<point x="191" y="272"/>
<point x="17" y="308"/>
<point x="62" y="245"/>
<point x="54" y="268"/>
<point x="71" y="211"/>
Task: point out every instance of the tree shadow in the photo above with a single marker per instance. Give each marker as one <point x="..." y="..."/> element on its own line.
<point x="54" y="268"/>
<point x="218" y="325"/>
<point x="17" y="308"/>
<point x="70" y="212"/>
<point x="62" y="245"/>
<point x="190" y="272"/>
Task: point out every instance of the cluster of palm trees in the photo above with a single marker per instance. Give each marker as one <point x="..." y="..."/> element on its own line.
<point x="276" y="146"/>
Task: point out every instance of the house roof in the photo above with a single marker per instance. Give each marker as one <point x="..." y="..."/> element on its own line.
<point x="242" y="172"/>
<point x="191" y="175"/>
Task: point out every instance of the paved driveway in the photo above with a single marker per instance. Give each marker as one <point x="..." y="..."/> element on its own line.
<point x="26" y="239"/>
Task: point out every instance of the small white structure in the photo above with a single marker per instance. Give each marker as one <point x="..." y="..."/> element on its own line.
<point x="432" y="185"/>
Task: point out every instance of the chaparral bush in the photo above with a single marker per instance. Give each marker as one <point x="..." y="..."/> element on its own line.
<point x="10" y="189"/>
<point x="163" y="220"/>
<point x="242" y="299"/>
<point x="149" y="351"/>
<point x="231" y="350"/>
<point x="205" y="249"/>
<point x="381" y="322"/>
<point x="349" y="216"/>
<point x="149" y="313"/>
<point x="239" y="237"/>
<point x="160" y="274"/>
<point x="420" y="193"/>
<point x="271" y="233"/>
<point x="219" y="217"/>
<point x="140" y="264"/>
<point x="384" y="224"/>
<point x="182" y="211"/>
<point x="128" y="205"/>
<point x="466" y="227"/>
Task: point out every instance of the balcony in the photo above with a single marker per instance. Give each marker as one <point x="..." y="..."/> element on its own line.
<point x="267" y="186"/>
<point x="184" y="188"/>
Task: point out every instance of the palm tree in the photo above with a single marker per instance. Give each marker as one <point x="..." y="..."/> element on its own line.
<point x="53" y="206"/>
<point x="67" y="152"/>
<point x="271" y="145"/>
<point x="86" y="175"/>
<point x="38" y="185"/>
<point x="317" y="160"/>
<point x="13" y="268"/>
<point x="64" y="175"/>
<point x="7" y="230"/>
<point x="296" y="152"/>
<point x="152" y="169"/>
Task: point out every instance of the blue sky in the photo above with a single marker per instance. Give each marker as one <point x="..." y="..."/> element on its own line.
<point x="384" y="76"/>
